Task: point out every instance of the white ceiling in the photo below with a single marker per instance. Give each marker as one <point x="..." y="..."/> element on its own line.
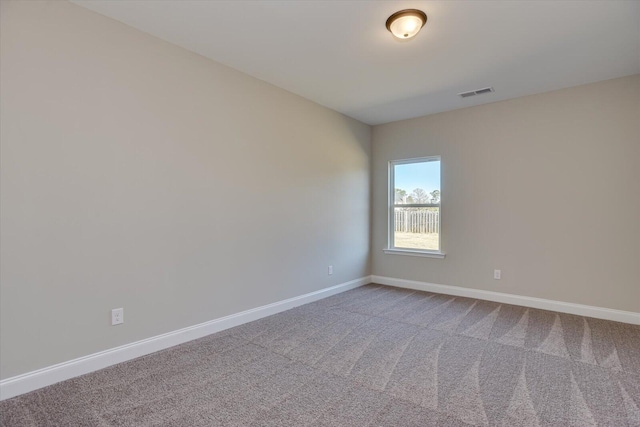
<point x="339" y="53"/>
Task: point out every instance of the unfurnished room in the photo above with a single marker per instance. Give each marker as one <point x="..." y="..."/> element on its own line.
<point x="319" y="213"/>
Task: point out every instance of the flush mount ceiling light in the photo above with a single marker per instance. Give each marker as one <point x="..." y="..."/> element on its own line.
<point x="405" y="24"/>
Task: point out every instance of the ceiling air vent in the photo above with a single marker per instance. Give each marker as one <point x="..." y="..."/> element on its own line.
<point x="467" y="94"/>
<point x="476" y="92"/>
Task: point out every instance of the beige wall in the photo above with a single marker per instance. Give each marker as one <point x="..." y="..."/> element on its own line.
<point x="545" y="188"/>
<point x="136" y="174"/>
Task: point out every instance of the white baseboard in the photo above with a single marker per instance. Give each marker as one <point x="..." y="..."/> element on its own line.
<point x="544" y="304"/>
<point x="34" y="380"/>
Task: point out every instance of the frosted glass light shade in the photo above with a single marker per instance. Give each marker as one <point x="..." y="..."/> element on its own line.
<point x="406" y="23"/>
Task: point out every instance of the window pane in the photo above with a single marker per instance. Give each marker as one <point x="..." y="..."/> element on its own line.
<point x="417" y="228"/>
<point x="417" y="182"/>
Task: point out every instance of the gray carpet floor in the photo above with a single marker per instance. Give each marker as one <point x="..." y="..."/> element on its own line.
<point x="373" y="356"/>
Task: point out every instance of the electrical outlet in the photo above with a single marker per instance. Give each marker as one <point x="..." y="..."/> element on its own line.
<point x="117" y="316"/>
<point x="330" y="270"/>
<point x="497" y="274"/>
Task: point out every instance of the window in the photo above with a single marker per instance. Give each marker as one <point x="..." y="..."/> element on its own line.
<point x="414" y="207"/>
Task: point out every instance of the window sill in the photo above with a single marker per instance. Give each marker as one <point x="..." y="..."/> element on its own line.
<point x="410" y="252"/>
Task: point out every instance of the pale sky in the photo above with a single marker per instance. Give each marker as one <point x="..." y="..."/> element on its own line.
<point x="425" y="175"/>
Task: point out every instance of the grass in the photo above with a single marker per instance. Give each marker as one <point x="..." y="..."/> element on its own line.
<point x="425" y="241"/>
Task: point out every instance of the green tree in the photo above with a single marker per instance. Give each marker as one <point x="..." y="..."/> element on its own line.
<point x="401" y="195"/>
<point x="435" y="196"/>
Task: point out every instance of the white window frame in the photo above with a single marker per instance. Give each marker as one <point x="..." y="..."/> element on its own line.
<point x="391" y="249"/>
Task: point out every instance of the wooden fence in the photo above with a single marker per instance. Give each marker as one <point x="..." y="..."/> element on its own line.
<point x="417" y="220"/>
